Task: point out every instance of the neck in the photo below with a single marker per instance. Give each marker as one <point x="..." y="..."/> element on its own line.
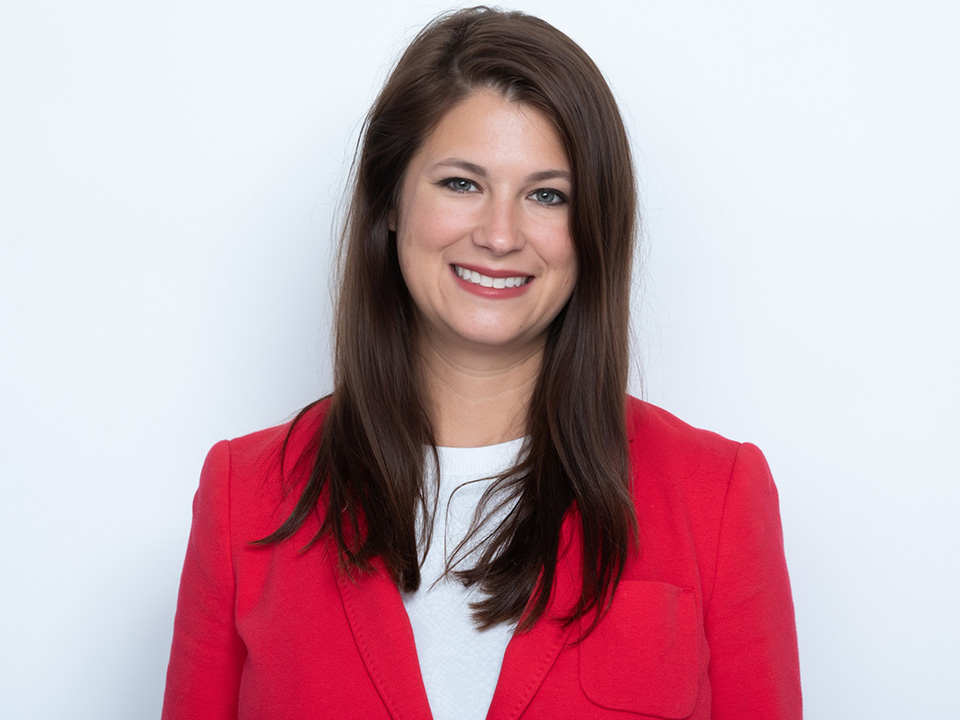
<point x="476" y="400"/>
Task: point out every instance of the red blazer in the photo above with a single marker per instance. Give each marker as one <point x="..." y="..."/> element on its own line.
<point x="701" y="626"/>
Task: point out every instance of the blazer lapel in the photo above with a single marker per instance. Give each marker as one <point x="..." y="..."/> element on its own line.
<point x="384" y="638"/>
<point x="531" y="654"/>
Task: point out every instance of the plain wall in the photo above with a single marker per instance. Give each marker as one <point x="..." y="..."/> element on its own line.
<point x="169" y="178"/>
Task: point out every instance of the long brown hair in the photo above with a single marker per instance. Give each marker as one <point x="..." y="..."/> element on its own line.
<point x="368" y="473"/>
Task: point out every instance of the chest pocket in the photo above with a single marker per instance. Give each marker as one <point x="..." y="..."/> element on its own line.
<point x="643" y="655"/>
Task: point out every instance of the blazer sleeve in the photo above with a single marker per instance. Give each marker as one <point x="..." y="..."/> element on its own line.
<point x="754" y="666"/>
<point x="203" y="677"/>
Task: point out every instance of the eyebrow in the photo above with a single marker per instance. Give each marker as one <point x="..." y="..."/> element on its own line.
<point x="480" y="172"/>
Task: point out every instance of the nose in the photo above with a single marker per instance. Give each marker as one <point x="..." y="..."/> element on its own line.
<point x="499" y="227"/>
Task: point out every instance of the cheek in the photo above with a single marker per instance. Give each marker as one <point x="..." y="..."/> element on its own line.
<point x="574" y="274"/>
<point x="406" y="255"/>
<point x="565" y="262"/>
<point x="419" y="226"/>
<point x="418" y="264"/>
<point x="571" y="274"/>
<point x="570" y="285"/>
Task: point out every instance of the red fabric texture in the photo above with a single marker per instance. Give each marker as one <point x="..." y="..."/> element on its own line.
<point x="701" y="627"/>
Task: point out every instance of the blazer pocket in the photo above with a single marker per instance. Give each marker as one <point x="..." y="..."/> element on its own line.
<point x="642" y="656"/>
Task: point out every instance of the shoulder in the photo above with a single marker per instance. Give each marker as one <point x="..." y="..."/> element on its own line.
<point x="293" y="441"/>
<point x="695" y="472"/>
<point x="698" y="490"/>
<point x="659" y="438"/>
<point x="251" y="482"/>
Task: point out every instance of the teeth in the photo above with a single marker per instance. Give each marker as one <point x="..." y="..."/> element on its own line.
<point x="476" y="278"/>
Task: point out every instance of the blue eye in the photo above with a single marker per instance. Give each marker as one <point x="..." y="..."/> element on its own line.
<point x="546" y="196"/>
<point x="460" y="185"/>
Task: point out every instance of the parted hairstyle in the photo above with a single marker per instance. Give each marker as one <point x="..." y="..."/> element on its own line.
<point x="367" y="480"/>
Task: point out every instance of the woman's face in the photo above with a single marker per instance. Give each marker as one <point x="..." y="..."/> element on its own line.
<point x="483" y="228"/>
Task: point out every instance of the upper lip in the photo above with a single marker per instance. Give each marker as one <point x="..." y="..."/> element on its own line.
<point x="493" y="273"/>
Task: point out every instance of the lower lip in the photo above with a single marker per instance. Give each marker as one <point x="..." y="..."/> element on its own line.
<point x="491" y="292"/>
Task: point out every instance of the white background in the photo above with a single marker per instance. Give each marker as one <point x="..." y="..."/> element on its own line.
<point x="169" y="175"/>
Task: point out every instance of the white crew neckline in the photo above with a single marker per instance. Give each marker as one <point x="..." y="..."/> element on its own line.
<point x="487" y="459"/>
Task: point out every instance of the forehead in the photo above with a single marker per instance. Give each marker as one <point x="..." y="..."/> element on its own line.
<point x="486" y="123"/>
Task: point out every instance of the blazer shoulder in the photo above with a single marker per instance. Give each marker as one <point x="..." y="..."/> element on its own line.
<point x="666" y="452"/>
<point x="292" y="441"/>
<point x="660" y="435"/>
<point x="257" y="476"/>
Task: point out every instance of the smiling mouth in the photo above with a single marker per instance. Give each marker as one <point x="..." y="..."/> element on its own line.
<point x="472" y="276"/>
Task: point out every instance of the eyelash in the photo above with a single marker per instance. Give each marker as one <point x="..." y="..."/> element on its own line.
<point x="561" y="199"/>
<point x="452" y="183"/>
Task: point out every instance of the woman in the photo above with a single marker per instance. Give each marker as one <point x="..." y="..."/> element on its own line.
<point x="478" y="522"/>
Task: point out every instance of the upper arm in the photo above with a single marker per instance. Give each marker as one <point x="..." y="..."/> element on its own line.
<point x="754" y="667"/>
<point x="207" y="655"/>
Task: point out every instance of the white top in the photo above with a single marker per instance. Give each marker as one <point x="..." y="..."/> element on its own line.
<point x="460" y="664"/>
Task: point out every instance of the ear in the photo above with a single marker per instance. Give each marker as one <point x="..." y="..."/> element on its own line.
<point x="392" y="220"/>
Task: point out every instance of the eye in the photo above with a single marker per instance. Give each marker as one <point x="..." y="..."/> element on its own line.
<point x="547" y="196"/>
<point x="460" y="185"/>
